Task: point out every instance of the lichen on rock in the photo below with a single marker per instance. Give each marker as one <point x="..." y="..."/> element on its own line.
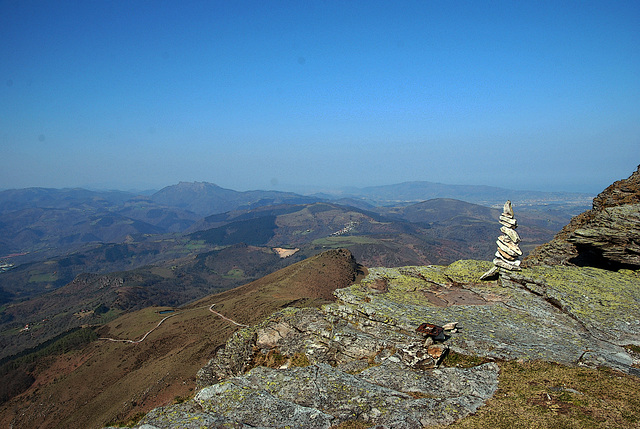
<point x="321" y="396"/>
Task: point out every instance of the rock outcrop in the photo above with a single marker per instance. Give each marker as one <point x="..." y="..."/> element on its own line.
<point x="361" y="358"/>
<point x="607" y="236"/>
<point x="321" y="396"/>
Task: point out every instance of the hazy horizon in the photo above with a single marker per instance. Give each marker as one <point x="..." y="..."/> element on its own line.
<point x="280" y="95"/>
<point x="299" y="189"/>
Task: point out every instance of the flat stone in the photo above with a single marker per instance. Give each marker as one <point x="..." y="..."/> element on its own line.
<point x="513" y="235"/>
<point x="501" y="253"/>
<point x="508" y="222"/>
<point x="269" y="336"/>
<point x="508" y="242"/>
<point x="510" y="249"/>
<point x="511" y="261"/>
<point x="506" y="265"/>
<point x="437" y="352"/>
<point x="494" y="271"/>
<point x="449" y="326"/>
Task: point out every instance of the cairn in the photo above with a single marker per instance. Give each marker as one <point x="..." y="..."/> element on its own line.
<point x="506" y="256"/>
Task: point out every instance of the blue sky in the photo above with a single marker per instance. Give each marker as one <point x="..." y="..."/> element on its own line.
<point x="275" y="94"/>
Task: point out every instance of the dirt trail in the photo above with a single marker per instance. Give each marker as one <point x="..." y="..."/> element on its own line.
<point x="226" y="318"/>
<point x="116" y="340"/>
<point x="141" y="339"/>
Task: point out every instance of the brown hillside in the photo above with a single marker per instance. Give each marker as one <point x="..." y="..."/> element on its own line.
<point x="109" y="382"/>
<point x="309" y="282"/>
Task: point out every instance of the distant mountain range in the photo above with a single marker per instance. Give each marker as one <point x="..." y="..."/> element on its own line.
<point x="115" y="230"/>
<point x="205" y="198"/>
<point x="477" y="194"/>
<point x="430" y="232"/>
<point x="43" y="219"/>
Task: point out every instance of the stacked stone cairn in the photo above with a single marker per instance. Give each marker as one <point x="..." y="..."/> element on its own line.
<point x="508" y="252"/>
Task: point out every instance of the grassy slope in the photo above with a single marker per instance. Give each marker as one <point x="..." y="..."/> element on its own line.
<point x="113" y="382"/>
<point x="549" y="395"/>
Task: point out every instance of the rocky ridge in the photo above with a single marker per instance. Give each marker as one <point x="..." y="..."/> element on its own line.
<point x="607" y="236"/>
<point x="361" y="358"/>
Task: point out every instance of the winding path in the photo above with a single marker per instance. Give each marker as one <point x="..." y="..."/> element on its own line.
<point x="116" y="340"/>
<point x="141" y="339"/>
<point x="226" y="318"/>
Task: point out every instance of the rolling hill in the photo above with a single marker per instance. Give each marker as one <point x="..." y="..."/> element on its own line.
<point x="38" y="223"/>
<point x="432" y="232"/>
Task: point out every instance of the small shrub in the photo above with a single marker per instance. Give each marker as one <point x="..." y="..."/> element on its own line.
<point x="128" y="423"/>
<point x="300" y="360"/>
<point x="273" y="359"/>
<point x="181" y="399"/>
<point x="460" y="360"/>
<point x="352" y="424"/>
<point x="633" y="348"/>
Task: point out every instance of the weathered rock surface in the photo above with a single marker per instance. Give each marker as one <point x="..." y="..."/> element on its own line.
<point x="360" y="358"/>
<point x="613" y="234"/>
<point x="375" y="375"/>
<point x="319" y="396"/>
<point x="607" y="236"/>
<point x="569" y="315"/>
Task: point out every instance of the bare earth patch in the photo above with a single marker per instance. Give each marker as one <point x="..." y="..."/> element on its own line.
<point x="284" y="253"/>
